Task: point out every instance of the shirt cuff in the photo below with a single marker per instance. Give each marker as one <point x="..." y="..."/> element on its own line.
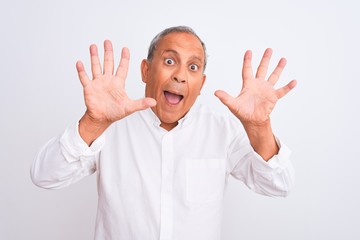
<point x="279" y="161"/>
<point x="74" y="147"/>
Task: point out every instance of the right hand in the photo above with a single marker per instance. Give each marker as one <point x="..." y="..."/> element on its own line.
<point x="105" y="96"/>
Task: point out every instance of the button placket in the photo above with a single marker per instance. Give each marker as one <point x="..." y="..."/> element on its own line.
<point x="166" y="208"/>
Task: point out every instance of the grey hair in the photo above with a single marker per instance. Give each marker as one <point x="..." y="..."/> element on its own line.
<point x="178" y="29"/>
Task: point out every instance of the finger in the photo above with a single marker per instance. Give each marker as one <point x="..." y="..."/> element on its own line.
<point x="275" y="75"/>
<point x="84" y="79"/>
<point x="108" y="58"/>
<point x="284" y="90"/>
<point x="264" y="64"/>
<point x="141" y="104"/>
<point x="247" y="72"/>
<point x="122" y="70"/>
<point x="95" y="62"/>
<point x="224" y="97"/>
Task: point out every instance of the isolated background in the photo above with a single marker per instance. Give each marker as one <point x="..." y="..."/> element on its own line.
<point x="40" y="95"/>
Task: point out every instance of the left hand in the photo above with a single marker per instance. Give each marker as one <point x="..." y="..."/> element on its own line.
<point x="258" y="96"/>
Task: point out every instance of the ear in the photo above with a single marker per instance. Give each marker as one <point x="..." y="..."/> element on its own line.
<point x="144" y="70"/>
<point x="203" y="81"/>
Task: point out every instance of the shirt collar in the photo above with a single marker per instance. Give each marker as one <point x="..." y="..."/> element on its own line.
<point x="150" y="116"/>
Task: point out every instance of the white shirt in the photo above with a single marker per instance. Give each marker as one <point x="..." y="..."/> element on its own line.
<point x="158" y="184"/>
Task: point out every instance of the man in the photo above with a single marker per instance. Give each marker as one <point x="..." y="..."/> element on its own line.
<point x="165" y="163"/>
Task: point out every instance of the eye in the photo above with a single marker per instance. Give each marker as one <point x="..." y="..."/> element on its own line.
<point x="194" y="67"/>
<point x="169" y="61"/>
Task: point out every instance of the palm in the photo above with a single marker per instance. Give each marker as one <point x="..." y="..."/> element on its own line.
<point x="105" y="99"/>
<point x="105" y="96"/>
<point x="258" y="97"/>
<point x="255" y="101"/>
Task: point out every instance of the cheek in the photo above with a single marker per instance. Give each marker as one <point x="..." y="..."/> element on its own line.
<point x="160" y="79"/>
<point x="153" y="86"/>
<point x="196" y="88"/>
<point x="194" y="91"/>
<point x="150" y="87"/>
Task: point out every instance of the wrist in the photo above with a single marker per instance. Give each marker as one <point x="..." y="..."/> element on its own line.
<point x="258" y="128"/>
<point x="90" y="130"/>
<point x="262" y="139"/>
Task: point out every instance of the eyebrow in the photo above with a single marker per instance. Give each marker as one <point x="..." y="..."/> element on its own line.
<point x="176" y="53"/>
<point x="170" y="50"/>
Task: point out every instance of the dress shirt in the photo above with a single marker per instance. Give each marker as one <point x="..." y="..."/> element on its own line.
<point x="158" y="184"/>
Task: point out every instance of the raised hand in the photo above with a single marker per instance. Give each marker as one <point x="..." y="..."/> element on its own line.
<point x="258" y="97"/>
<point x="256" y="101"/>
<point x="105" y="96"/>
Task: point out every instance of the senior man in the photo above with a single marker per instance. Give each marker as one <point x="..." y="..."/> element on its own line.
<point x="162" y="162"/>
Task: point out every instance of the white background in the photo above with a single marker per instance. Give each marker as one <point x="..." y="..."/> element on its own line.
<point x="40" y="95"/>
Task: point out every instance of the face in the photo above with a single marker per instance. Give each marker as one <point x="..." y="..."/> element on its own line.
<point x="174" y="77"/>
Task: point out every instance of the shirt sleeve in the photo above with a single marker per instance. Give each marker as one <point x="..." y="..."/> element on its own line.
<point x="65" y="160"/>
<point x="274" y="177"/>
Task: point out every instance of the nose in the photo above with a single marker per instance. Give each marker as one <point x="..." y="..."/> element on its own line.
<point x="178" y="79"/>
<point x="179" y="75"/>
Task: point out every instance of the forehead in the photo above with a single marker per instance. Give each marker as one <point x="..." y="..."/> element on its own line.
<point x="183" y="43"/>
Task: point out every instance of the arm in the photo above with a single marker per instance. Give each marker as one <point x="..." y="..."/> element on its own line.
<point x="70" y="157"/>
<point x="65" y="160"/>
<point x="256" y="101"/>
<point x="274" y="178"/>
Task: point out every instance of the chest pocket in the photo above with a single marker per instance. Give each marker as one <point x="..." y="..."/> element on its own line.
<point x="205" y="179"/>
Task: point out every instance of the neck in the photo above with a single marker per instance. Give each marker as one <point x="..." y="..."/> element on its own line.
<point x="168" y="126"/>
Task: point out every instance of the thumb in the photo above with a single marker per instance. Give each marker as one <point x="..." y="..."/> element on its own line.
<point x="142" y="104"/>
<point x="224" y="97"/>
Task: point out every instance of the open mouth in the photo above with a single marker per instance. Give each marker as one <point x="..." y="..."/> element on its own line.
<point x="173" y="98"/>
